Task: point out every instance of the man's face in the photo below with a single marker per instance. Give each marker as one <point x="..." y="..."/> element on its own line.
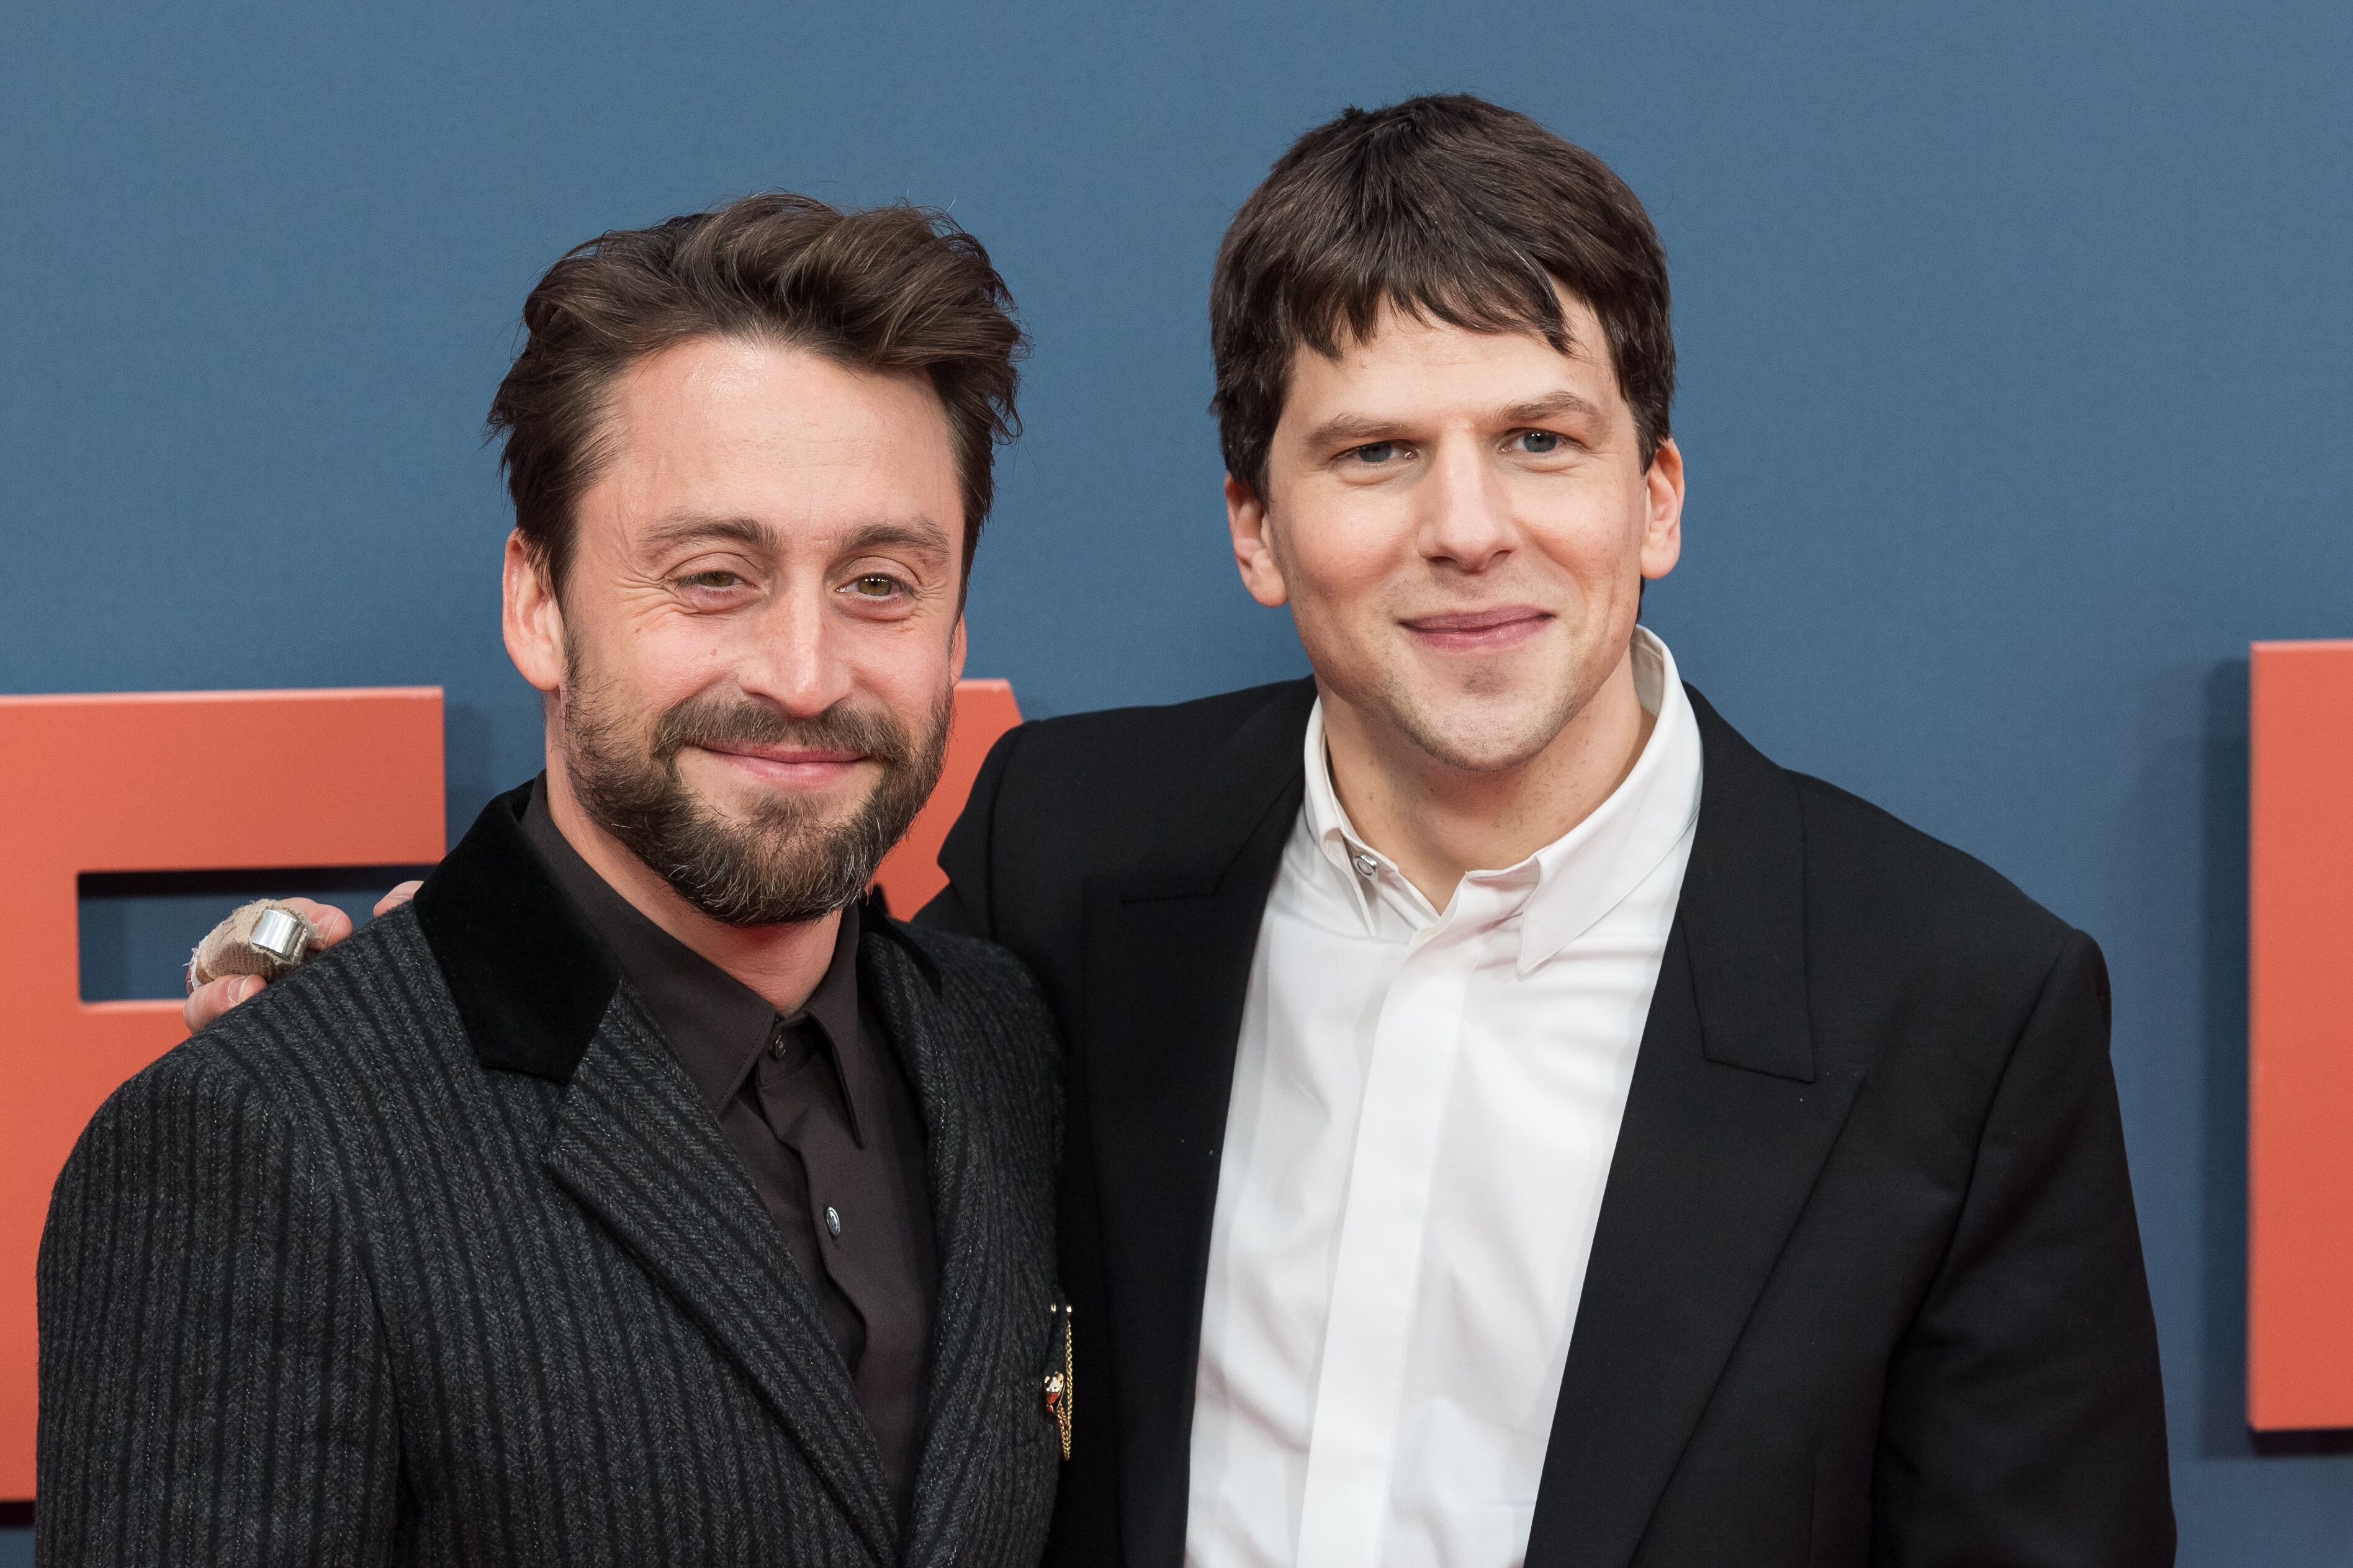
<point x="760" y="627"/>
<point x="1461" y="522"/>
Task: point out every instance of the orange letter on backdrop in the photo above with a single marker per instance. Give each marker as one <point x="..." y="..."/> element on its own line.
<point x="2300" y="1038"/>
<point x="985" y="710"/>
<point x="189" y="782"/>
<point x="224" y="781"/>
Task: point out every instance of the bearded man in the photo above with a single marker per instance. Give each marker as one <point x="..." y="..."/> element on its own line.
<point x="637" y="1195"/>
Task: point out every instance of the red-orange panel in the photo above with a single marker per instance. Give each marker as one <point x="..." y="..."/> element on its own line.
<point x="182" y="782"/>
<point x="2300" y="1038"/>
<point x="985" y="710"/>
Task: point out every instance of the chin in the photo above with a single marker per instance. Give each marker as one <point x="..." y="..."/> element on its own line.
<point x="1482" y="742"/>
<point x="1481" y="719"/>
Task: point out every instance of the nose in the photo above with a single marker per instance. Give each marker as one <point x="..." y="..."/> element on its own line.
<point x="792" y="654"/>
<point x="1468" y="521"/>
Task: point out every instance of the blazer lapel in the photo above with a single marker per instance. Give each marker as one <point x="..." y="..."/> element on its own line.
<point x="633" y="1143"/>
<point x="981" y="1312"/>
<point x="1167" y="961"/>
<point x="1730" y="1117"/>
<point x="641" y="1153"/>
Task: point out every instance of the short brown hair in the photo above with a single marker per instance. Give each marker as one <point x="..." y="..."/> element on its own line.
<point x="895" y="289"/>
<point x="1449" y="208"/>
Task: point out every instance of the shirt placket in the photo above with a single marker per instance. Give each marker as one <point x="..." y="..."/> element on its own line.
<point x="1376" y="1278"/>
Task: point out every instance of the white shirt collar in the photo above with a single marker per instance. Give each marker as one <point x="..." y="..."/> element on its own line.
<point x="1558" y="892"/>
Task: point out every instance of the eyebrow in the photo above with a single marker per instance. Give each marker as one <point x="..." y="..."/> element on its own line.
<point x="1560" y="405"/>
<point x="918" y="533"/>
<point x="1349" y="430"/>
<point x="1357" y="429"/>
<point x="750" y="533"/>
<point x="913" y="533"/>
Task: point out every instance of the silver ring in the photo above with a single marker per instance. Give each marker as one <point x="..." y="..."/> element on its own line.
<point x="279" y="934"/>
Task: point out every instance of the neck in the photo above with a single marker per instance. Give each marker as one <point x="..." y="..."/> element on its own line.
<point x="1439" y="821"/>
<point x="781" y="964"/>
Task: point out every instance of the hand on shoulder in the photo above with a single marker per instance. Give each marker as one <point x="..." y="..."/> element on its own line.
<point x="329" y="925"/>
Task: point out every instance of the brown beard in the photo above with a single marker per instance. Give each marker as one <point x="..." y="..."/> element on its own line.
<point x="787" y="863"/>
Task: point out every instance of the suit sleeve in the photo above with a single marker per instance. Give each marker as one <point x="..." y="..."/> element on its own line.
<point x="962" y="906"/>
<point x="212" y="1387"/>
<point x="2024" y="1421"/>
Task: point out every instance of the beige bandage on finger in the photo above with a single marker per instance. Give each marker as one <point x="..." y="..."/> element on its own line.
<point x="265" y="937"/>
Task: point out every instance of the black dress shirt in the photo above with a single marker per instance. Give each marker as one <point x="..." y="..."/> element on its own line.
<point x="820" y="1110"/>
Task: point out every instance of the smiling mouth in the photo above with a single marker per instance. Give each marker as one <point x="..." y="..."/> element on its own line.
<point x="799" y="767"/>
<point x="1473" y="631"/>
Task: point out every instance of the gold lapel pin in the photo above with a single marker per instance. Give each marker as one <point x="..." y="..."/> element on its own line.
<point x="1060" y="1381"/>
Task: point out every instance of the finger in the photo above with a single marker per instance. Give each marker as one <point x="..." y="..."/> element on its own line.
<point x="330" y="924"/>
<point x="210" y="1000"/>
<point x="398" y="897"/>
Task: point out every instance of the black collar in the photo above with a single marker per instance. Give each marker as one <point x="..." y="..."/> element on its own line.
<point x="531" y="978"/>
<point x="1742" y="907"/>
<point x="525" y="966"/>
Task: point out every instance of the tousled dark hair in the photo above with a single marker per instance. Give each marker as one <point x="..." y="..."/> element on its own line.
<point x="1448" y="209"/>
<point x="893" y="288"/>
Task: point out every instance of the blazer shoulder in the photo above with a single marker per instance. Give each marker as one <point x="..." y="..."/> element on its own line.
<point x="1146" y="740"/>
<point x="1087" y="791"/>
<point x="976" y="971"/>
<point x="374" y="1006"/>
<point x="1873" y="877"/>
<point x="210" y="1073"/>
<point x="266" y="1063"/>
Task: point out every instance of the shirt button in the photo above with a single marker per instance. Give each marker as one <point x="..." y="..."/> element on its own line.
<point x="1365" y="865"/>
<point x="832" y="1220"/>
<point x="776" y="1045"/>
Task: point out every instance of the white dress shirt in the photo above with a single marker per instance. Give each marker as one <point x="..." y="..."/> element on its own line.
<point x="1425" y="1104"/>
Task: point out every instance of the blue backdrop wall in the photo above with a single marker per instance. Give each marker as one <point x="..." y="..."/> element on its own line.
<point x="2014" y="345"/>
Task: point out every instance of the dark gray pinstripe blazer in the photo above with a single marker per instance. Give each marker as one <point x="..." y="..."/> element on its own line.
<point x="432" y="1253"/>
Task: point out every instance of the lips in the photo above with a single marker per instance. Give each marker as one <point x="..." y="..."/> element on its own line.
<point x="1500" y="626"/>
<point x="792" y="768"/>
<point x="788" y="756"/>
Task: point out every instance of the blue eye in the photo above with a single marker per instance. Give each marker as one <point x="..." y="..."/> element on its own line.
<point x="1376" y="452"/>
<point x="1539" y="442"/>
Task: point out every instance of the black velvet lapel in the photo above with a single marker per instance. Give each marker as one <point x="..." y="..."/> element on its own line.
<point x="530" y="977"/>
<point x="1729" y="1119"/>
<point x="1167" y="958"/>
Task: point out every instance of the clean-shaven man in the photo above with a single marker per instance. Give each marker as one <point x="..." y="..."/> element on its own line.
<point x="638" y="1195"/>
<point x="1511" y="1120"/>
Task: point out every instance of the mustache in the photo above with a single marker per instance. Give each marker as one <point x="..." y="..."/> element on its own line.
<point x="715" y="720"/>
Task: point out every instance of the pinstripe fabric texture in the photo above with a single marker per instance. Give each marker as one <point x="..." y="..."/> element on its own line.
<point x="323" y="1287"/>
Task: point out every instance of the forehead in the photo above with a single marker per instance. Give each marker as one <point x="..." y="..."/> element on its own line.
<point x="1409" y="361"/>
<point x="727" y="427"/>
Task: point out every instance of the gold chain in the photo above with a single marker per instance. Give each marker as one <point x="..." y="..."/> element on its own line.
<point x="1061" y="1385"/>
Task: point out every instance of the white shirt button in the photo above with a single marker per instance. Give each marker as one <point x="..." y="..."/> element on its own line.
<point x="832" y="1219"/>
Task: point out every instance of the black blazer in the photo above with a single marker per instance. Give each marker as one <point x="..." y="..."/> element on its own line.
<point x="1867" y="1286"/>
<point x="432" y="1253"/>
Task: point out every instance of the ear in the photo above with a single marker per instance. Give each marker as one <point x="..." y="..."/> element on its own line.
<point x="956" y="652"/>
<point x="1246" y="519"/>
<point x="532" y="617"/>
<point x="1662" y="524"/>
